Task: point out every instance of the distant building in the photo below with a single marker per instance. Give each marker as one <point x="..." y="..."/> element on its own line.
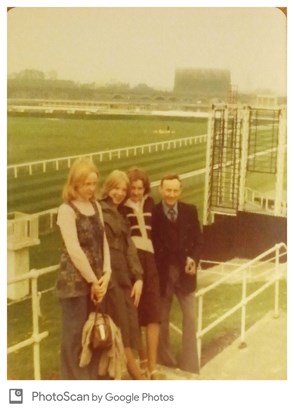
<point x="266" y="100"/>
<point x="211" y="83"/>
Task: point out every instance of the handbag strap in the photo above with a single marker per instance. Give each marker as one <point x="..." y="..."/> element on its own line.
<point x="98" y="309"/>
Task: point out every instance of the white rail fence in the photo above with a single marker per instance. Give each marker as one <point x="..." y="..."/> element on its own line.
<point x="45" y="221"/>
<point x="274" y="275"/>
<point x="263" y="201"/>
<point x="106" y="155"/>
<point x="279" y="251"/>
<point x="37" y="336"/>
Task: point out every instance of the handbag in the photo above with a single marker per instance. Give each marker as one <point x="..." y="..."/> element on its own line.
<point x="101" y="335"/>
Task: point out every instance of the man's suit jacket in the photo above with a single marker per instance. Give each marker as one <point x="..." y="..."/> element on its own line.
<point x="190" y="240"/>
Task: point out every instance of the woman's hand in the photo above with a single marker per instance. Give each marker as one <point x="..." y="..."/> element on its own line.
<point x="136" y="292"/>
<point x="99" y="288"/>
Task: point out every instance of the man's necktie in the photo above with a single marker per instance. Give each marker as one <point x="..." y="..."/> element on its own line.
<point x="172" y="214"/>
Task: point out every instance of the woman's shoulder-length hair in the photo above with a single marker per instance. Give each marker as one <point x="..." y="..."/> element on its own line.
<point x="78" y="173"/>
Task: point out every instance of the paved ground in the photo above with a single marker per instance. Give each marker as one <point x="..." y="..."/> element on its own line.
<point x="264" y="357"/>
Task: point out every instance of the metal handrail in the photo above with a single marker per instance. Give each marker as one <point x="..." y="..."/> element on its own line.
<point x="245" y="298"/>
<point x="37" y="336"/>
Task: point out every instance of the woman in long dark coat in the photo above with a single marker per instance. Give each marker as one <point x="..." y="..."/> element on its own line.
<point x="123" y="297"/>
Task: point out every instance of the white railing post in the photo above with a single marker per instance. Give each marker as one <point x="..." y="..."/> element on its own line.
<point x="243" y="309"/>
<point x="199" y="328"/>
<point x="281" y="161"/>
<point x="244" y="157"/>
<point x="277" y="283"/>
<point x="35" y="314"/>
<point x="207" y="216"/>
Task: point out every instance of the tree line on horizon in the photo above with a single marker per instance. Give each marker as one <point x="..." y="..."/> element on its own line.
<point x="190" y="85"/>
<point x="30" y="83"/>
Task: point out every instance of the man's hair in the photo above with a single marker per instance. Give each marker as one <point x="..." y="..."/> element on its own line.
<point x="170" y="177"/>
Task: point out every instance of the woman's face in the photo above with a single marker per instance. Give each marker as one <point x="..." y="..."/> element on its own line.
<point x="87" y="189"/>
<point x="118" y="193"/>
<point x="137" y="190"/>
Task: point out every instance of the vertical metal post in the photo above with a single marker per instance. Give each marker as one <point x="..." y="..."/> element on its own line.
<point x="277" y="283"/>
<point x="199" y="328"/>
<point x="243" y="310"/>
<point x="35" y="315"/>
<point x="280" y="163"/>
<point x="224" y="167"/>
<point x="244" y="157"/>
<point x="207" y="187"/>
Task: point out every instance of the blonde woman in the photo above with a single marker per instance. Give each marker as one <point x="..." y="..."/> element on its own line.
<point x="124" y="297"/>
<point x="85" y="263"/>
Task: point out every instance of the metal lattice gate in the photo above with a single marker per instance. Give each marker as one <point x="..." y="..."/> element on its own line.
<point x="240" y="142"/>
<point x="263" y="140"/>
<point x="225" y="161"/>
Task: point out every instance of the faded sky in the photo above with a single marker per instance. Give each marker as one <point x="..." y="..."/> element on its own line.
<point x="146" y="45"/>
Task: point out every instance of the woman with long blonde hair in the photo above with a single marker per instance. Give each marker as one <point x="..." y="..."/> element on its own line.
<point x="85" y="263"/>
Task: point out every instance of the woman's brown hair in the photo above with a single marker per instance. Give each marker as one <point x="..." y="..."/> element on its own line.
<point x="135" y="173"/>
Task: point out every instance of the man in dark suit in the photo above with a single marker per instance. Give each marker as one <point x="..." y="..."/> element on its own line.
<point x="177" y="238"/>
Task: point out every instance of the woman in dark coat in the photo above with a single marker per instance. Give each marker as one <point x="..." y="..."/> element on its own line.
<point x="139" y="212"/>
<point x="123" y="297"/>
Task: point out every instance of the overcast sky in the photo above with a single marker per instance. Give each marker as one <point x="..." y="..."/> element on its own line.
<point x="146" y="45"/>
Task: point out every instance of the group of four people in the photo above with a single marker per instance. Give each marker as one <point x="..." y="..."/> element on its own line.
<point x="129" y="257"/>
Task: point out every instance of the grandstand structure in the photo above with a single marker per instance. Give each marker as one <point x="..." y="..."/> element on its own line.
<point x="213" y="83"/>
<point x="159" y="105"/>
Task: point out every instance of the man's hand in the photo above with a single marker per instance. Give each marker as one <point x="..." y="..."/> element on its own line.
<point x="190" y="267"/>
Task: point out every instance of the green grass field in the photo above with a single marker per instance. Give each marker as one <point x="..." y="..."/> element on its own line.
<point x="34" y="139"/>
